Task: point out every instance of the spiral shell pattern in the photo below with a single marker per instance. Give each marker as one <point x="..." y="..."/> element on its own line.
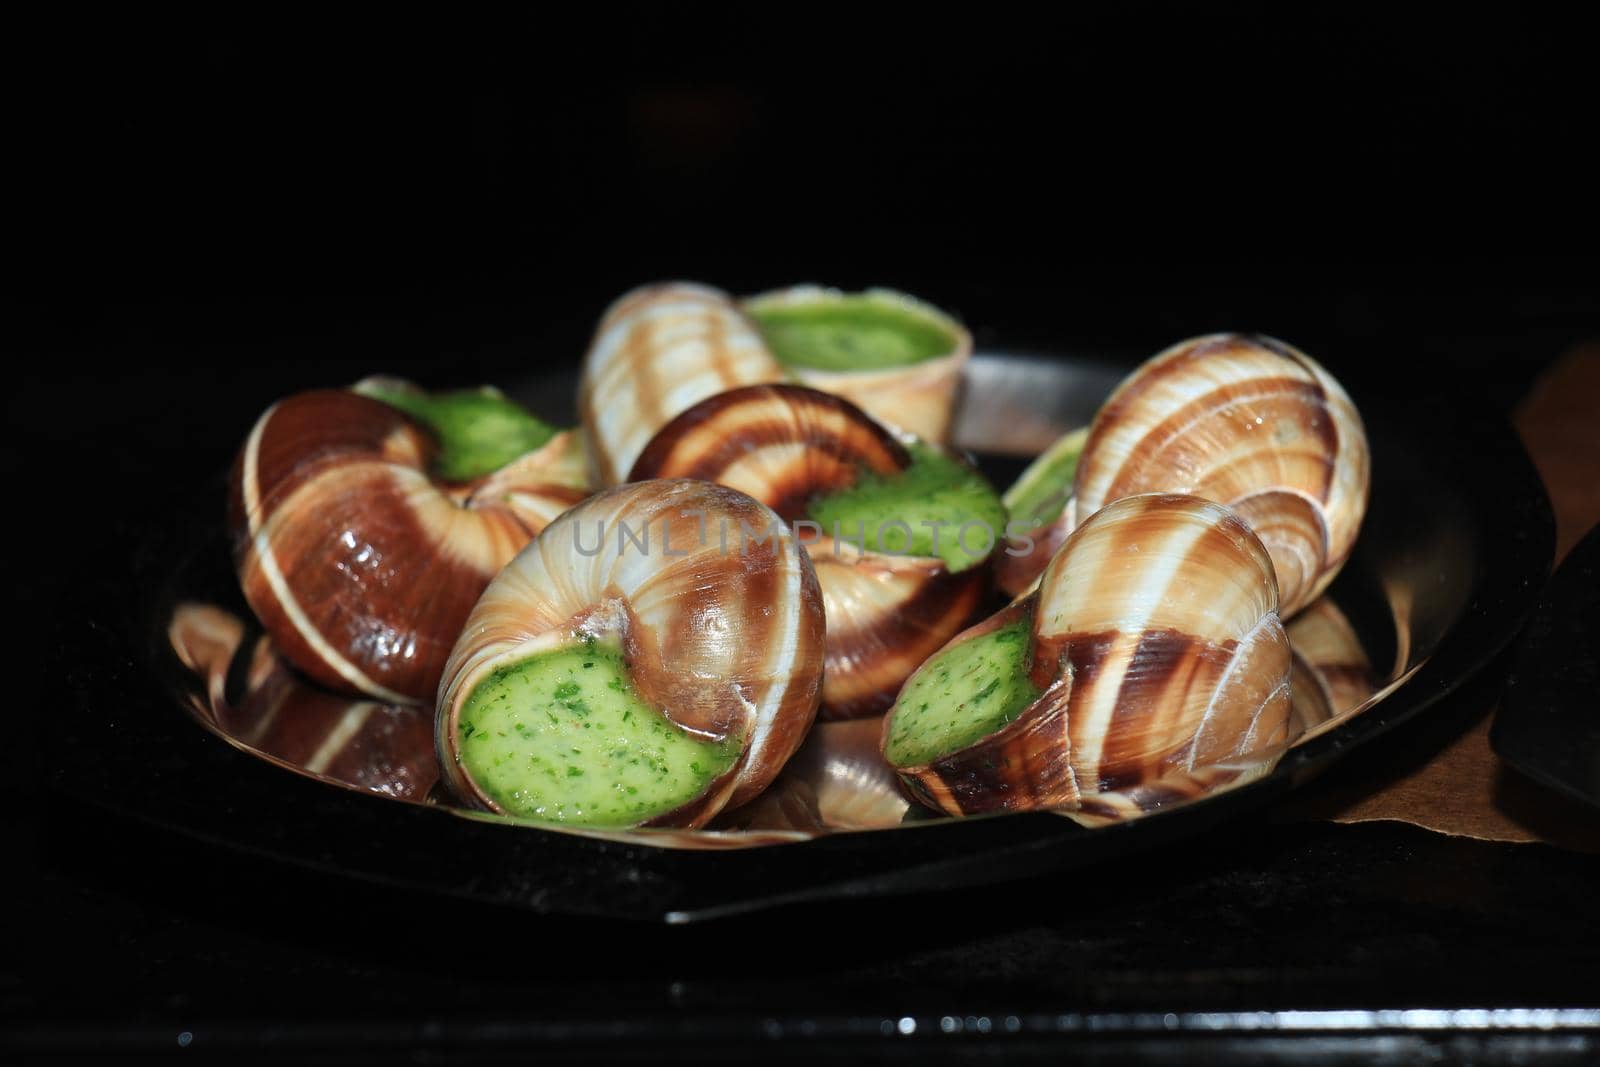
<point x="361" y="566"/>
<point x="725" y="638"/>
<point x="783" y="444"/>
<point x="1248" y="422"/>
<point x="1162" y="664"/>
<point x="658" y="351"/>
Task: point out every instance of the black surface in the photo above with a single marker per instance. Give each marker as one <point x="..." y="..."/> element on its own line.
<point x="1549" y="724"/>
<point x="213" y="216"/>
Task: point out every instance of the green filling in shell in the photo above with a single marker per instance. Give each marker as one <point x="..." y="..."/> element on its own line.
<point x="479" y="430"/>
<point x="564" y="737"/>
<point x="857" y="332"/>
<point x="962" y="695"/>
<point x="1042" y="491"/>
<point x="937" y="506"/>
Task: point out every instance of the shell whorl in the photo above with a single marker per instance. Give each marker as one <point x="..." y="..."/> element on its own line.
<point x="1163" y="666"/>
<point x="722" y="634"/>
<point x="784" y="444"/>
<point x="1248" y="422"/>
<point x="359" y="564"/>
<point x="659" y="350"/>
<point x="781" y="444"/>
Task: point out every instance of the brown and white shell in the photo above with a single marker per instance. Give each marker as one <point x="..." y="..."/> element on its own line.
<point x="1249" y="422"/>
<point x="724" y="636"/>
<point x="1163" y="666"/>
<point x="360" y="565"/>
<point x="784" y="444"/>
<point x="919" y="399"/>
<point x="658" y="351"/>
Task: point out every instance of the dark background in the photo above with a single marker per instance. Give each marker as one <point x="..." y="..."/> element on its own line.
<point x="209" y="216"/>
<point x="206" y="217"/>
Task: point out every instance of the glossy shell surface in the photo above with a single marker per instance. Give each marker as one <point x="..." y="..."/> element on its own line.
<point x="658" y="351"/>
<point x="1249" y="422"/>
<point x="357" y="561"/>
<point x="723" y="635"/>
<point x="784" y="444"/>
<point x="1163" y="667"/>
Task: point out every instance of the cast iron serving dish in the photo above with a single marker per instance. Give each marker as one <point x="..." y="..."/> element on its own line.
<point x="175" y="715"/>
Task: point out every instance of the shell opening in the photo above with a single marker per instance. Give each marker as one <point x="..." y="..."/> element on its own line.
<point x="564" y="736"/>
<point x="961" y="695"/>
<point x="826" y="330"/>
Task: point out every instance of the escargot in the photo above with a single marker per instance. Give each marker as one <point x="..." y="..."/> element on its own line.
<point x="898" y="529"/>
<point x="631" y="667"/>
<point x="895" y="357"/>
<point x="366" y="521"/>
<point x="1248" y="422"/>
<point x="1149" y="666"/>
<point x="1038" y="513"/>
<point x="659" y="350"/>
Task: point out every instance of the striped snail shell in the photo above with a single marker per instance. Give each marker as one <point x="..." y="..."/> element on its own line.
<point x="785" y="445"/>
<point x="913" y="389"/>
<point x="1248" y="422"/>
<point x="1150" y="666"/>
<point x="659" y="350"/>
<point x="359" y="562"/>
<point x="698" y="662"/>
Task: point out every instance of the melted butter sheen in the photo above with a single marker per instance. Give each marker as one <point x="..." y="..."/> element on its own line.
<point x="961" y="696"/>
<point x="564" y="737"/>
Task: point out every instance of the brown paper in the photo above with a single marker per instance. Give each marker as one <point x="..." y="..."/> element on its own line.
<point x="1464" y="789"/>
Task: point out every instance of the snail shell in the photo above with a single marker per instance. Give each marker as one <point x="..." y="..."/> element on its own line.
<point x="359" y="564"/>
<point x="1044" y="486"/>
<point x="783" y="445"/>
<point x="918" y="398"/>
<point x="1248" y="422"/>
<point x="659" y="350"/>
<point x="1162" y="670"/>
<point x="726" y="641"/>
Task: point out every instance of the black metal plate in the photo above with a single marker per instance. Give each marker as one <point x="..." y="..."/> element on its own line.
<point x="1459" y="533"/>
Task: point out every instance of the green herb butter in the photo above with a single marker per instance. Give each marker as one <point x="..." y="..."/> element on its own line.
<point x="857" y="332"/>
<point x="479" y="430"/>
<point x="962" y="695"/>
<point x="920" y="511"/>
<point x="1041" y="493"/>
<point x="564" y="737"/>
